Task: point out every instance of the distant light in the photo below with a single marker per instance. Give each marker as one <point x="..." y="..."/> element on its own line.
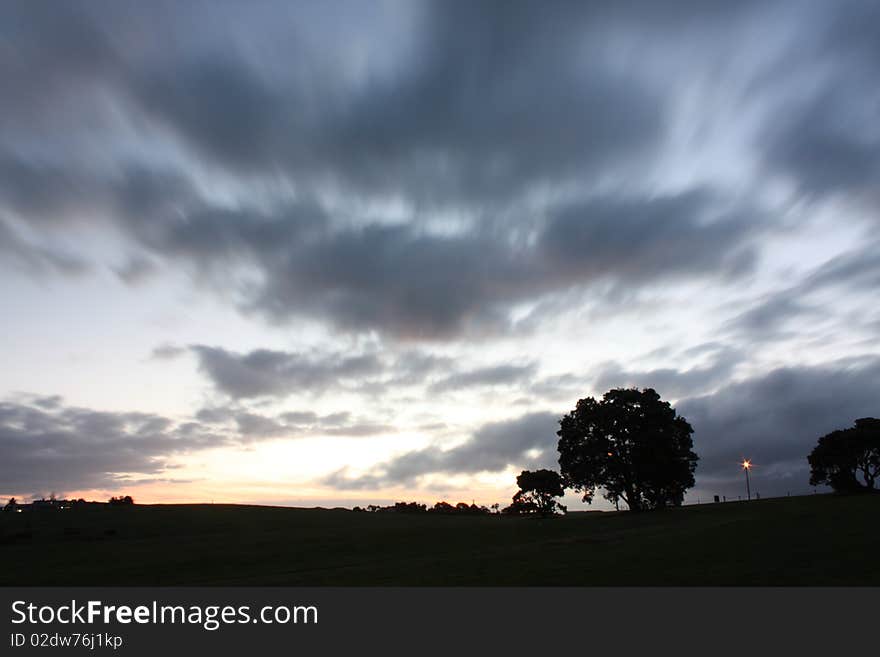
<point x="610" y="454"/>
<point x="746" y="464"/>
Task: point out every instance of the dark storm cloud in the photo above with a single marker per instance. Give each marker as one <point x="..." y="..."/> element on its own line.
<point x="491" y="102"/>
<point x="776" y="420"/>
<point x="264" y="372"/>
<point x="267" y="373"/>
<point x="634" y="240"/>
<point x="410" y="283"/>
<point x="492" y="448"/>
<point x="48" y="446"/>
<point x="492" y="97"/>
<point x="252" y="425"/>
<point x="396" y="279"/>
<point x="51" y="50"/>
<point x="224" y="110"/>
<point x="825" y="152"/>
<point x="43" y="192"/>
<point x="828" y="141"/>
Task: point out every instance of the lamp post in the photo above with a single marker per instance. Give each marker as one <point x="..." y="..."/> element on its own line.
<point x="747" y="465"/>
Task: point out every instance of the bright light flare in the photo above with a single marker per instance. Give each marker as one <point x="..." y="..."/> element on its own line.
<point x="746" y="464"/>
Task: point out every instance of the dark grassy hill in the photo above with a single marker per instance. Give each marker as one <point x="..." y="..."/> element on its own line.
<point x="812" y="540"/>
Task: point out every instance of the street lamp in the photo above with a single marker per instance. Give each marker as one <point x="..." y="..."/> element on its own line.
<point x="747" y="465"/>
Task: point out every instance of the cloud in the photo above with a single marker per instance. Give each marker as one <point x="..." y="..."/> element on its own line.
<point x="264" y="372"/>
<point x="135" y="270"/>
<point x="49" y="446"/>
<point x="461" y="95"/>
<point x="527" y="441"/>
<point x="496" y="375"/>
<point x="828" y="142"/>
<point x="484" y="110"/>
<point x="858" y="268"/>
<point x="37" y="259"/>
<point x="409" y="283"/>
<point x="638" y="240"/>
<point x="776" y="419"/>
<point x="769" y="317"/>
<point x="167" y="351"/>
<point x="669" y="381"/>
<point x="267" y="373"/>
<point x="298" y="424"/>
<point x="462" y="118"/>
<point x="785" y="312"/>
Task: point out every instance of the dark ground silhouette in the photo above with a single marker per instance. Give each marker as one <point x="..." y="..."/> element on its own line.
<point x="809" y="540"/>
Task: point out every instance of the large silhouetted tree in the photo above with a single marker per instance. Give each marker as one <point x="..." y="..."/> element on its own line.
<point x="536" y="494"/>
<point x="631" y="444"/>
<point x="848" y="460"/>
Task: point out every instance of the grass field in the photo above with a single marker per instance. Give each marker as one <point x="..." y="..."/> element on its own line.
<point x="812" y="540"/>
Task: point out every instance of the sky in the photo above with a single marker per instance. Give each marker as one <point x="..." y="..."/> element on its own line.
<point x="350" y="252"/>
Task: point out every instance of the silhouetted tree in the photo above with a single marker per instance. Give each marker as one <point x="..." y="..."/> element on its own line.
<point x="11" y="505"/>
<point x="407" y="507"/>
<point x="121" y="501"/>
<point x="536" y="492"/>
<point x="632" y="445"/>
<point x="848" y="460"/>
<point x="520" y="507"/>
<point x="462" y="508"/>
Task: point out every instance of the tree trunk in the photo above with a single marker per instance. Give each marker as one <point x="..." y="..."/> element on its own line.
<point x="632" y="500"/>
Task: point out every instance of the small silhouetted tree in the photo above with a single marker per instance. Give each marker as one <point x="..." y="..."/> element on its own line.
<point x="536" y="494"/>
<point x="631" y="444"/>
<point x="11" y="505"/>
<point x="848" y="460"/>
<point x="121" y="501"/>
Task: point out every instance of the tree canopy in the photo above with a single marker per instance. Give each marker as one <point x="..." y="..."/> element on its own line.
<point x="848" y="460"/>
<point x="631" y="444"/>
<point x="536" y="494"/>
